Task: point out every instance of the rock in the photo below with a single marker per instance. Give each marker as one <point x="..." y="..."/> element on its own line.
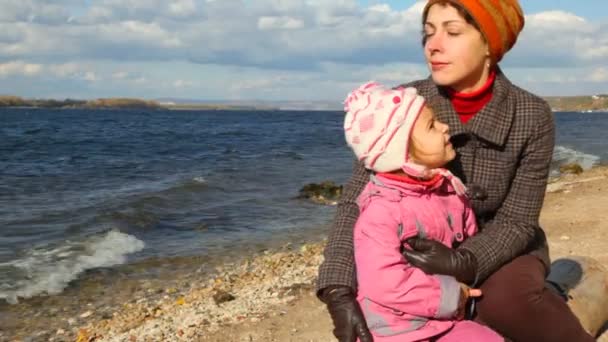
<point x="86" y="314"/>
<point x="323" y="193"/>
<point x="202" y="227"/>
<point x="555" y="187"/>
<point x="221" y="296"/>
<point x="564" y="238"/>
<point x="585" y="283"/>
<point x="295" y="289"/>
<point x="572" y="168"/>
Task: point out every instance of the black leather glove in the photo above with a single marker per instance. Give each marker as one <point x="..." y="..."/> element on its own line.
<point x="349" y="322"/>
<point x="433" y="257"/>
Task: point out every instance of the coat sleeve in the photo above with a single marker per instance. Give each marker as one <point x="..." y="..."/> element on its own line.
<point x="515" y="226"/>
<point x="338" y="267"/>
<point x="384" y="275"/>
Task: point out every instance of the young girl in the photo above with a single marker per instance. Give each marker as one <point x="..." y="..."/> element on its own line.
<point x="395" y="135"/>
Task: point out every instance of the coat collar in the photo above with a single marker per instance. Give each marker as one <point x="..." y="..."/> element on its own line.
<point x="492" y="123"/>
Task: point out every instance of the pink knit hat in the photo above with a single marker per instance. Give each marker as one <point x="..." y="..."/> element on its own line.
<point x="378" y="126"/>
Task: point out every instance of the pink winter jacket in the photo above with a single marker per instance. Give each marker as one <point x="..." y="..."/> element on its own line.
<point x="400" y="302"/>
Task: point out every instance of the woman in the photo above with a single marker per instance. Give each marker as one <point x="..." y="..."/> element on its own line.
<point x="504" y="137"/>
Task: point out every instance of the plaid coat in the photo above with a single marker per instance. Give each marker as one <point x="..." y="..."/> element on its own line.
<point x="503" y="155"/>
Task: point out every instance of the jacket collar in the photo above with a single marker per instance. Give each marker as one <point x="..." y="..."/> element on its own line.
<point x="492" y="123"/>
<point x="441" y="186"/>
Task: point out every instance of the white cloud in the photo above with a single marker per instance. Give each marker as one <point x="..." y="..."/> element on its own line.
<point x="555" y="19"/>
<point x="90" y="76"/>
<point x="273" y="34"/>
<point x="279" y="23"/>
<point x="598" y="75"/>
<point x="136" y="31"/>
<point x="120" y="75"/>
<point x="287" y="45"/>
<point x="560" y="39"/>
<point x="33" y="11"/>
<point x="182" y="8"/>
<point x="65" y="70"/>
<point x="19" y="68"/>
<point x="182" y="84"/>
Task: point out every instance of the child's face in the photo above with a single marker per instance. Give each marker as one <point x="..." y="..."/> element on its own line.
<point x="430" y="141"/>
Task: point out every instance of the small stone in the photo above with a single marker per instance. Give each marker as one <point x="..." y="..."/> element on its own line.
<point x="202" y="227"/>
<point x="221" y="296"/>
<point x="555" y="187"/>
<point x="60" y="332"/>
<point x="564" y="238"/>
<point x="86" y="314"/>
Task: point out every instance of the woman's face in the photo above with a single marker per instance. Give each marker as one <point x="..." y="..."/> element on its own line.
<point x="455" y="51"/>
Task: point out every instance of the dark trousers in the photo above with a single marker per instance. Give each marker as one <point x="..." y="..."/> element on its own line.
<point x="516" y="304"/>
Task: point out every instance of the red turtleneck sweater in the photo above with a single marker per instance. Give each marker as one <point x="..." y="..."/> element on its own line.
<point x="469" y="104"/>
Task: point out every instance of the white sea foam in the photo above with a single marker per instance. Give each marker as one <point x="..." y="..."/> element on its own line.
<point x="48" y="271"/>
<point x="564" y="155"/>
<point x="200" y="180"/>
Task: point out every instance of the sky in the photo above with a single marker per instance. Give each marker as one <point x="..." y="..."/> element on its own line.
<point x="301" y="50"/>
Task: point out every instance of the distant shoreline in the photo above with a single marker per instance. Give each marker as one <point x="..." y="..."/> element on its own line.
<point x="217" y="107"/>
<point x="585" y="104"/>
<point x="102" y="103"/>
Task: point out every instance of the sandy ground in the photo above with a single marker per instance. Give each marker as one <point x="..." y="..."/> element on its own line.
<point x="575" y="218"/>
<point x="270" y="297"/>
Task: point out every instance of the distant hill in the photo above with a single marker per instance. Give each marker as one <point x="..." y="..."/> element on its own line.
<point x="126" y="103"/>
<point x="578" y="103"/>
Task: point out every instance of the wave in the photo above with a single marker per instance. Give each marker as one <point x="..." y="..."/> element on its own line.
<point x="564" y="155"/>
<point x="50" y="270"/>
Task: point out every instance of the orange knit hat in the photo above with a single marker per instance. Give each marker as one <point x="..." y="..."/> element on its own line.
<point x="500" y="21"/>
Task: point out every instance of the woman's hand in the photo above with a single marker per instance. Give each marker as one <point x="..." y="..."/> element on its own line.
<point x="349" y="322"/>
<point x="433" y="257"/>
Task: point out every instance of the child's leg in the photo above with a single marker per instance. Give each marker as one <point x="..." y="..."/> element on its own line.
<point x="470" y="331"/>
